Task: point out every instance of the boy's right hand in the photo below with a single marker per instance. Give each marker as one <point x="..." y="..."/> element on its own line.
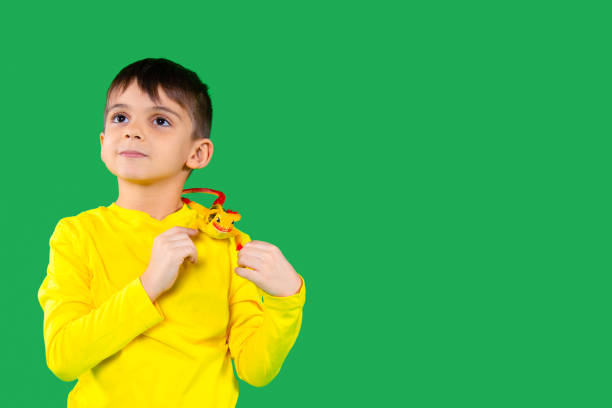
<point x="170" y="249"/>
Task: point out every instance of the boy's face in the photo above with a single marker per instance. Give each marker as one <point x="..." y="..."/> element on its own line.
<point x="135" y="122"/>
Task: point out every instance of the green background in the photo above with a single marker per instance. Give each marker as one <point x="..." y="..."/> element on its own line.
<point x="438" y="174"/>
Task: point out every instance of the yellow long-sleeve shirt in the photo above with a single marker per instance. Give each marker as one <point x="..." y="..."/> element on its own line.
<point x="101" y="327"/>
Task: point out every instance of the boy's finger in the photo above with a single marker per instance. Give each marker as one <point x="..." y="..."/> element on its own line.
<point x="184" y="229"/>
<point x="187" y="229"/>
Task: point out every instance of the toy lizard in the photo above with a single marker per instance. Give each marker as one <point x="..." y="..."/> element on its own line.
<point x="215" y="221"/>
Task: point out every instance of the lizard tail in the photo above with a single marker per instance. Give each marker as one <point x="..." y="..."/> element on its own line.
<point x="220" y="196"/>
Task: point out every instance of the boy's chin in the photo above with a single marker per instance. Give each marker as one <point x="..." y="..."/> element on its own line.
<point x="138" y="177"/>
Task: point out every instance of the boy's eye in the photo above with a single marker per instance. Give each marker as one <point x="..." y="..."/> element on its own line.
<point x="159" y="117"/>
<point x="158" y="120"/>
<point x="116" y="116"/>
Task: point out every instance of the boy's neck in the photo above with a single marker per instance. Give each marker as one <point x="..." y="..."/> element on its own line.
<point x="157" y="201"/>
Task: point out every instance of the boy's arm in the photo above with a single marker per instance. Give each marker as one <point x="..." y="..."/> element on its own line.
<point x="78" y="335"/>
<point x="261" y="334"/>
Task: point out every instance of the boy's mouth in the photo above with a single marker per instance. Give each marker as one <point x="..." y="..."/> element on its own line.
<point x="132" y="153"/>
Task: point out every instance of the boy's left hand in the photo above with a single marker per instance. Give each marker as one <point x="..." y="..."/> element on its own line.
<point x="270" y="270"/>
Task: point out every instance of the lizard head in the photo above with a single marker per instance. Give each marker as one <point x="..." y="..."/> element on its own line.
<point x="220" y="222"/>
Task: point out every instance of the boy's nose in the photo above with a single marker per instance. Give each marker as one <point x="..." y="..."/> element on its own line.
<point x="133" y="129"/>
<point x="132" y="134"/>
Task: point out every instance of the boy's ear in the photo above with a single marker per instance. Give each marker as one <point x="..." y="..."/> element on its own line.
<point x="101" y="142"/>
<point x="203" y="153"/>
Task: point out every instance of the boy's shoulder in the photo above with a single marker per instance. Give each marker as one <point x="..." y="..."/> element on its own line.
<point x="84" y="219"/>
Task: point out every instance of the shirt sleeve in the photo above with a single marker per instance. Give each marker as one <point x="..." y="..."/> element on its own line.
<point x="78" y="335"/>
<point x="262" y="328"/>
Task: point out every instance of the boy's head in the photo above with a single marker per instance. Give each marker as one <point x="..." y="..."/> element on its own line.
<point x="159" y="108"/>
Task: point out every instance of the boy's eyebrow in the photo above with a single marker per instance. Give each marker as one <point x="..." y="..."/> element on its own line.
<point x="156" y="107"/>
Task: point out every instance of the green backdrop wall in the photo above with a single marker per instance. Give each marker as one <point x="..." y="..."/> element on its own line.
<point x="438" y="173"/>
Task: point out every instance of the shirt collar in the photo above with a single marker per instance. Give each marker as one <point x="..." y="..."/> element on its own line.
<point x="181" y="217"/>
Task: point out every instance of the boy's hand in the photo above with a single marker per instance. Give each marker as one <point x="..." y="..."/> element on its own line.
<point x="270" y="270"/>
<point x="170" y="248"/>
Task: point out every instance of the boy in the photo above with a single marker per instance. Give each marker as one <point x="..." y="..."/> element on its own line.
<point x="142" y="309"/>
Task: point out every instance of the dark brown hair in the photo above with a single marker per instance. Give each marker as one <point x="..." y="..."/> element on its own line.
<point x="180" y="84"/>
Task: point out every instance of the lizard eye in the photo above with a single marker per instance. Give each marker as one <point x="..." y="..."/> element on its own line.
<point x="232" y="222"/>
<point x="218" y="220"/>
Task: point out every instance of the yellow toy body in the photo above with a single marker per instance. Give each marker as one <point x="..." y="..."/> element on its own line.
<point x="215" y="221"/>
